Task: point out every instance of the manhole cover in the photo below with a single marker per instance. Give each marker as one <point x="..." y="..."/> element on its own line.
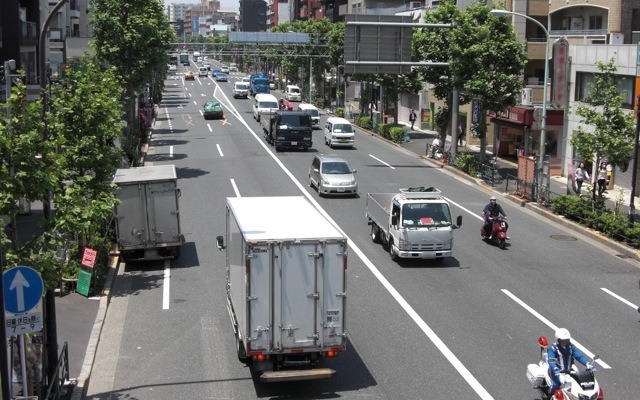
<point x="564" y="238"/>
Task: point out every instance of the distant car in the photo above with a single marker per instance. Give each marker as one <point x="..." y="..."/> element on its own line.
<point x="214" y="72"/>
<point x="188" y="76"/>
<point x="224" y="69"/>
<point x="272" y="85"/>
<point x="332" y="175"/>
<point x="172" y="67"/>
<point x="207" y="64"/>
<point x="212" y="109"/>
<point x="220" y="77"/>
<point x="233" y="67"/>
<point x="186" y="63"/>
<point x="203" y="71"/>
<point x="246" y="79"/>
<point x="240" y="90"/>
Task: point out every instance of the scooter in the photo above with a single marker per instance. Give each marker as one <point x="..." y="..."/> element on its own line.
<point x="498" y="231"/>
<point x="574" y="385"/>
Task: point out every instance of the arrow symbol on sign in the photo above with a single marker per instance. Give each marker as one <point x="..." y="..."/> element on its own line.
<point x="19" y="283"/>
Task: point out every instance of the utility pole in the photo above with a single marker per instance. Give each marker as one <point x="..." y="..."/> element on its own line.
<point x="51" y="329"/>
<point x="5" y="377"/>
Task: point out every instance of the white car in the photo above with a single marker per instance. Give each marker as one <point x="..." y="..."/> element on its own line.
<point x="224" y="69"/>
<point x="246" y="79"/>
<point x="172" y="67"/>
<point x="207" y="64"/>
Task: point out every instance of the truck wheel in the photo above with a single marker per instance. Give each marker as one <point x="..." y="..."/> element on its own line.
<point x="375" y="233"/>
<point x="394" y="255"/>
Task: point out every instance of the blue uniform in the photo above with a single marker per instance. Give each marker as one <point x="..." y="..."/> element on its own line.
<point x="490" y="211"/>
<point x="564" y="357"/>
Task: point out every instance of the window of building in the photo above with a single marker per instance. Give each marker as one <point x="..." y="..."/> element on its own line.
<point x="595" y="22"/>
<point x="625" y="85"/>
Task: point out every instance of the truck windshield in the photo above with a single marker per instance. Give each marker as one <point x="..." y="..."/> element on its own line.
<point x="260" y="81"/>
<point x="295" y="120"/>
<point x="426" y="214"/>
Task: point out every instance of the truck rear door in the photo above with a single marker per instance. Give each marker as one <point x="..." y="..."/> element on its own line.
<point x="331" y="286"/>
<point x="131" y="214"/>
<point x="296" y="296"/>
<point x="162" y="212"/>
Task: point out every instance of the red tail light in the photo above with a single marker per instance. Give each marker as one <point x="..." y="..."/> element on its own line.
<point x="558" y="395"/>
<point x="259" y="357"/>
<point x="600" y="395"/>
<point x="332" y="353"/>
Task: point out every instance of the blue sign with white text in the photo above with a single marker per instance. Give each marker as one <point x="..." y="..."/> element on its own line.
<point x="23" y="289"/>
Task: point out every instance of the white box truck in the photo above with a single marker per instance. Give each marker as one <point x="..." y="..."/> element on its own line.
<point x="148" y="216"/>
<point x="286" y="268"/>
<point x="414" y="223"/>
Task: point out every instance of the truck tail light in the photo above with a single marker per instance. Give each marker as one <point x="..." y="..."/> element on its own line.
<point x="259" y="357"/>
<point x="332" y="353"/>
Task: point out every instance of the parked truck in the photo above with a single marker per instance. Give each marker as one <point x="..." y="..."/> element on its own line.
<point x="414" y="223"/>
<point x="288" y="129"/>
<point x="147" y="216"/>
<point x="286" y="286"/>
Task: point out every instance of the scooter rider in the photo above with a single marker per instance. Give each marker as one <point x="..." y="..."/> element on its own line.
<point x="561" y="355"/>
<point x="493" y="210"/>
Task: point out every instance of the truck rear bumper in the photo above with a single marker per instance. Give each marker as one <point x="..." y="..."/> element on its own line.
<point x="425" y="255"/>
<point x="297" y="375"/>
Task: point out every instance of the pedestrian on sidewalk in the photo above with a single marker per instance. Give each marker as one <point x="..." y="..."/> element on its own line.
<point x="581" y="174"/>
<point x="602" y="179"/>
<point x="460" y="134"/>
<point x="412" y="117"/>
<point x="372" y="108"/>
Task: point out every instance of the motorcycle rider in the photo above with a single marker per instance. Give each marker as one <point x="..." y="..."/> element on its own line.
<point x="560" y="356"/>
<point x="491" y="211"/>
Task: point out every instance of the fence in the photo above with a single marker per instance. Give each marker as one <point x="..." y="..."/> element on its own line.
<point x="60" y="376"/>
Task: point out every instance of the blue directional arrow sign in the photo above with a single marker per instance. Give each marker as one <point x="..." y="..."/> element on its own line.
<point x="23" y="289"/>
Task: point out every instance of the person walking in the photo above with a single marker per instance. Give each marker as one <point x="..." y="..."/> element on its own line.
<point x="412" y="118"/>
<point x="581" y="174"/>
<point x="602" y="179"/>
<point x="372" y="108"/>
<point x="460" y="134"/>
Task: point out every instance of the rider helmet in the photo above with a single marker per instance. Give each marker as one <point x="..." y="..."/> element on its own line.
<point x="563" y="334"/>
<point x="492" y="198"/>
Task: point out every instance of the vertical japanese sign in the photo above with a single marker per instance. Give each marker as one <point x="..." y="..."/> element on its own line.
<point x="560" y="63"/>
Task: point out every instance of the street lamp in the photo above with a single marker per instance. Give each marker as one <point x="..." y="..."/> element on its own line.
<point x="543" y="124"/>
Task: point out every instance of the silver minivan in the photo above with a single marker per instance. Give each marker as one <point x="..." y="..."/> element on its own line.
<point x="332" y="175"/>
<point x="338" y="132"/>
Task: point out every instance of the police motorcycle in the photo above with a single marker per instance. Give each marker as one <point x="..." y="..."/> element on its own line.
<point x="574" y="385"/>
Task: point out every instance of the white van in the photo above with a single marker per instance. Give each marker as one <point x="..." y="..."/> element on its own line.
<point x="240" y="90"/>
<point x="264" y="103"/>
<point x="338" y="132"/>
<point x="292" y="93"/>
<point x="233" y="67"/>
<point x="203" y="71"/>
<point x="313" y="112"/>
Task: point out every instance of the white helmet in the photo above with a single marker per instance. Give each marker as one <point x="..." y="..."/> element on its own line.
<point x="492" y="198"/>
<point x="563" y="334"/>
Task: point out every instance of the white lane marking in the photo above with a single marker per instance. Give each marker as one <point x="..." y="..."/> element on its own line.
<point x="464" y="208"/>
<point x="440" y="345"/>
<point x="170" y="151"/>
<point x="380" y="161"/>
<point x="219" y="150"/>
<point x="209" y="126"/>
<point x="166" y="285"/>
<point x="553" y="327"/>
<point x="625" y="301"/>
<point x="235" y="188"/>
<point x="194" y="102"/>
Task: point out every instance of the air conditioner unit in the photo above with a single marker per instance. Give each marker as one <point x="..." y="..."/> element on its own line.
<point x="527" y="94"/>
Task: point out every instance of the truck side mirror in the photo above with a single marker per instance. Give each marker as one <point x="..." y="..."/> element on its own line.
<point x="458" y="222"/>
<point x="394" y="220"/>
<point x="220" y="242"/>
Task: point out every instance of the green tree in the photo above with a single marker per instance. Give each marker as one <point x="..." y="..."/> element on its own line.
<point x="485" y="60"/>
<point x="28" y="170"/>
<point x="610" y="131"/>
<point x="135" y="37"/>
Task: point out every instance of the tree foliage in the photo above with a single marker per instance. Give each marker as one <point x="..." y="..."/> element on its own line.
<point x="485" y="61"/>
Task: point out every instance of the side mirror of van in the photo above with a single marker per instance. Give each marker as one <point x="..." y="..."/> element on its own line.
<point x="458" y="222"/>
<point x="220" y="242"/>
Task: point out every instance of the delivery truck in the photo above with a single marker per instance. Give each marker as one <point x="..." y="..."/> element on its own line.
<point x="147" y="216"/>
<point x="286" y="267"/>
<point x="414" y="223"/>
<point x="288" y="130"/>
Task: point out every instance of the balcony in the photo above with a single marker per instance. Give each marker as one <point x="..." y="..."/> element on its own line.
<point x="74" y="14"/>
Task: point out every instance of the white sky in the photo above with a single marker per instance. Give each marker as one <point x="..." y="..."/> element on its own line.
<point x="224" y="4"/>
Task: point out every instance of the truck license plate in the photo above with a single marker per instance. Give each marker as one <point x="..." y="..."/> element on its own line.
<point x="294" y="143"/>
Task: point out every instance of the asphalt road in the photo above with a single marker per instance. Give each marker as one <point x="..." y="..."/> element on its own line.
<point x="465" y="328"/>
